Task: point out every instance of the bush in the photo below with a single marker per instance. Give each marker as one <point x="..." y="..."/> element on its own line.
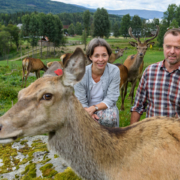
<point x="7" y="93"/>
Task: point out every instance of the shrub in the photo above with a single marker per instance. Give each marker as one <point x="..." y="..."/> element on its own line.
<point x="7" y="93"/>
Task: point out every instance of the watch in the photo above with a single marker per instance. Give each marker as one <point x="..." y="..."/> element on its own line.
<point x="96" y="107"/>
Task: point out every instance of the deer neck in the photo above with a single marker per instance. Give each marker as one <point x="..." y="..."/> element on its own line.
<point x="85" y="145"/>
<point x="137" y="62"/>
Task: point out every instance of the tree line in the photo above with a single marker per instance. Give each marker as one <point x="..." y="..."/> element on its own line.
<point x="99" y="23"/>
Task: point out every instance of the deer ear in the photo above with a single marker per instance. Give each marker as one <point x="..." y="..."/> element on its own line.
<point x="54" y="66"/>
<point x="133" y="43"/>
<point x="151" y="43"/>
<point x="75" y="68"/>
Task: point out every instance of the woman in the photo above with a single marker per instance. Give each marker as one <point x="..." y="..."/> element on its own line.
<point x="98" y="91"/>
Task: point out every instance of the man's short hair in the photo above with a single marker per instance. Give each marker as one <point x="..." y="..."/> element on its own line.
<point x="174" y="32"/>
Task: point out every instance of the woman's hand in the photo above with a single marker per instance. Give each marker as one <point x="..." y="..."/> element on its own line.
<point x="91" y="111"/>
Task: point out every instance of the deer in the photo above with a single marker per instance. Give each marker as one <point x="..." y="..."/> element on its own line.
<point x="119" y="52"/>
<point x="134" y="63"/>
<point x="124" y="77"/>
<point x="146" y="150"/>
<point x="32" y="65"/>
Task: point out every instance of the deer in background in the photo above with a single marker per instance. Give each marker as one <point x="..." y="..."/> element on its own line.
<point x="146" y="150"/>
<point x="119" y="52"/>
<point x="32" y="65"/>
<point x="134" y="63"/>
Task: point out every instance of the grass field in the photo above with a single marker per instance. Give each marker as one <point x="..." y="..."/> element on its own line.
<point x="11" y="75"/>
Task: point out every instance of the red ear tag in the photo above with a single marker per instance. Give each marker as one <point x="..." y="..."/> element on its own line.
<point x="59" y="72"/>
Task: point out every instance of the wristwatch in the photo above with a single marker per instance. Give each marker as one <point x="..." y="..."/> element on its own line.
<point x="96" y="107"/>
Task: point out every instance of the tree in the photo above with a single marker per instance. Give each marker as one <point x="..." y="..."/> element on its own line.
<point x="177" y="15"/>
<point x="33" y="29"/>
<point x="86" y="22"/>
<point x="101" y="23"/>
<point x="136" y="25"/>
<point x="42" y="26"/>
<point x="50" y="28"/>
<point x="58" y="35"/>
<point x="174" y="24"/>
<point x="78" y="28"/>
<point x="116" y="30"/>
<point x="14" y="31"/>
<point x="4" y="42"/>
<point x="170" y="14"/>
<point x="162" y="29"/>
<point x="71" y="29"/>
<point x="125" y="24"/>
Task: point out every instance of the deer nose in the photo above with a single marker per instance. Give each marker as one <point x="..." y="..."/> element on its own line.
<point x="1" y="126"/>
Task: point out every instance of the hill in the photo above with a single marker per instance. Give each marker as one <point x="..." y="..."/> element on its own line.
<point x="146" y="14"/>
<point x="48" y="6"/>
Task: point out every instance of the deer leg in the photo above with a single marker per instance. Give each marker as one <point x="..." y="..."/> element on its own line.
<point x="26" y="77"/>
<point x="38" y="74"/>
<point x="126" y="85"/>
<point x="132" y="95"/>
<point x="131" y="91"/>
<point x="23" y="77"/>
<point x="122" y="98"/>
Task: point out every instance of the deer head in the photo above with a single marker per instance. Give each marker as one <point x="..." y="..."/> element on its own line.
<point x="39" y="103"/>
<point x="142" y="47"/>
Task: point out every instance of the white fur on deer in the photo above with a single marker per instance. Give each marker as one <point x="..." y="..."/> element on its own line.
<point x="147" y="150"/>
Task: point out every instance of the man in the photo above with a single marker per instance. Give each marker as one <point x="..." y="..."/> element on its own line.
<point x="159" y="88"/>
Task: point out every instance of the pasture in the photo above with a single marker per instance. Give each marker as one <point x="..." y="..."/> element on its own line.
<point x="11" y="75"/>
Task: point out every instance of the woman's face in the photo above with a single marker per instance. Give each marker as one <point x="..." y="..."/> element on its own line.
<point x="99" y="58"/>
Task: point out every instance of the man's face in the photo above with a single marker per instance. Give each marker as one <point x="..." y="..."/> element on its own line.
<point x="172" y="49"/>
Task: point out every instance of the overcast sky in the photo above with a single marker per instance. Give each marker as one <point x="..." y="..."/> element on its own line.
<point x="157" y="5"/>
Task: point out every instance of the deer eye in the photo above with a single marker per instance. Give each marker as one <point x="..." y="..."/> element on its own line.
<point x="47" y="96"/>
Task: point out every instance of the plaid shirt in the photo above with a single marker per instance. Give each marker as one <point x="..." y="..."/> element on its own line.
<point x="159" y="90"/>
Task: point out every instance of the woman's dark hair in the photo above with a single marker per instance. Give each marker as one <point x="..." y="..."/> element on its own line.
<point x="95" y="43"/>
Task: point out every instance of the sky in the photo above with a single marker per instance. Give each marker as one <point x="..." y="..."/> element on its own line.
<point x="156" y="5"/>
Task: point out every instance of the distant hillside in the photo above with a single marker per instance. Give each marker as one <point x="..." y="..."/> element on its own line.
<point x="147" y="14"/>
<point x="48" y="6"/>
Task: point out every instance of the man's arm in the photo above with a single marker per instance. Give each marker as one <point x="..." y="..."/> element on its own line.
<point x="135" y="117"/>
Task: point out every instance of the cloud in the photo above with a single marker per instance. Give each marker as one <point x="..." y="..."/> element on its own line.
<point x="124" y="4"/>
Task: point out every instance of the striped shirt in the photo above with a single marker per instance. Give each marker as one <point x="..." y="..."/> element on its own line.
<point x="159" y="92"/>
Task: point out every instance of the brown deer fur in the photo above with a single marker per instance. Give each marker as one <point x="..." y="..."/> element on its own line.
<point x="134" y="63"/>
<point x="147" y="150"/>
<point x="32" y="65"/>
<point x="124" y="76"/>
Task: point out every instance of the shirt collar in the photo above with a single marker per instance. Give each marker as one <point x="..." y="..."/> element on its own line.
<point x="162" y="66"/>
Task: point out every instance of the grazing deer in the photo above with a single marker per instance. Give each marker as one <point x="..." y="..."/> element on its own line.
<point x="116" y="55"/>
<point x="32" y="65"/>
<point x="146" y="150"/>
<point x="124" y="76"/>
<point x="134" y="63"/>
